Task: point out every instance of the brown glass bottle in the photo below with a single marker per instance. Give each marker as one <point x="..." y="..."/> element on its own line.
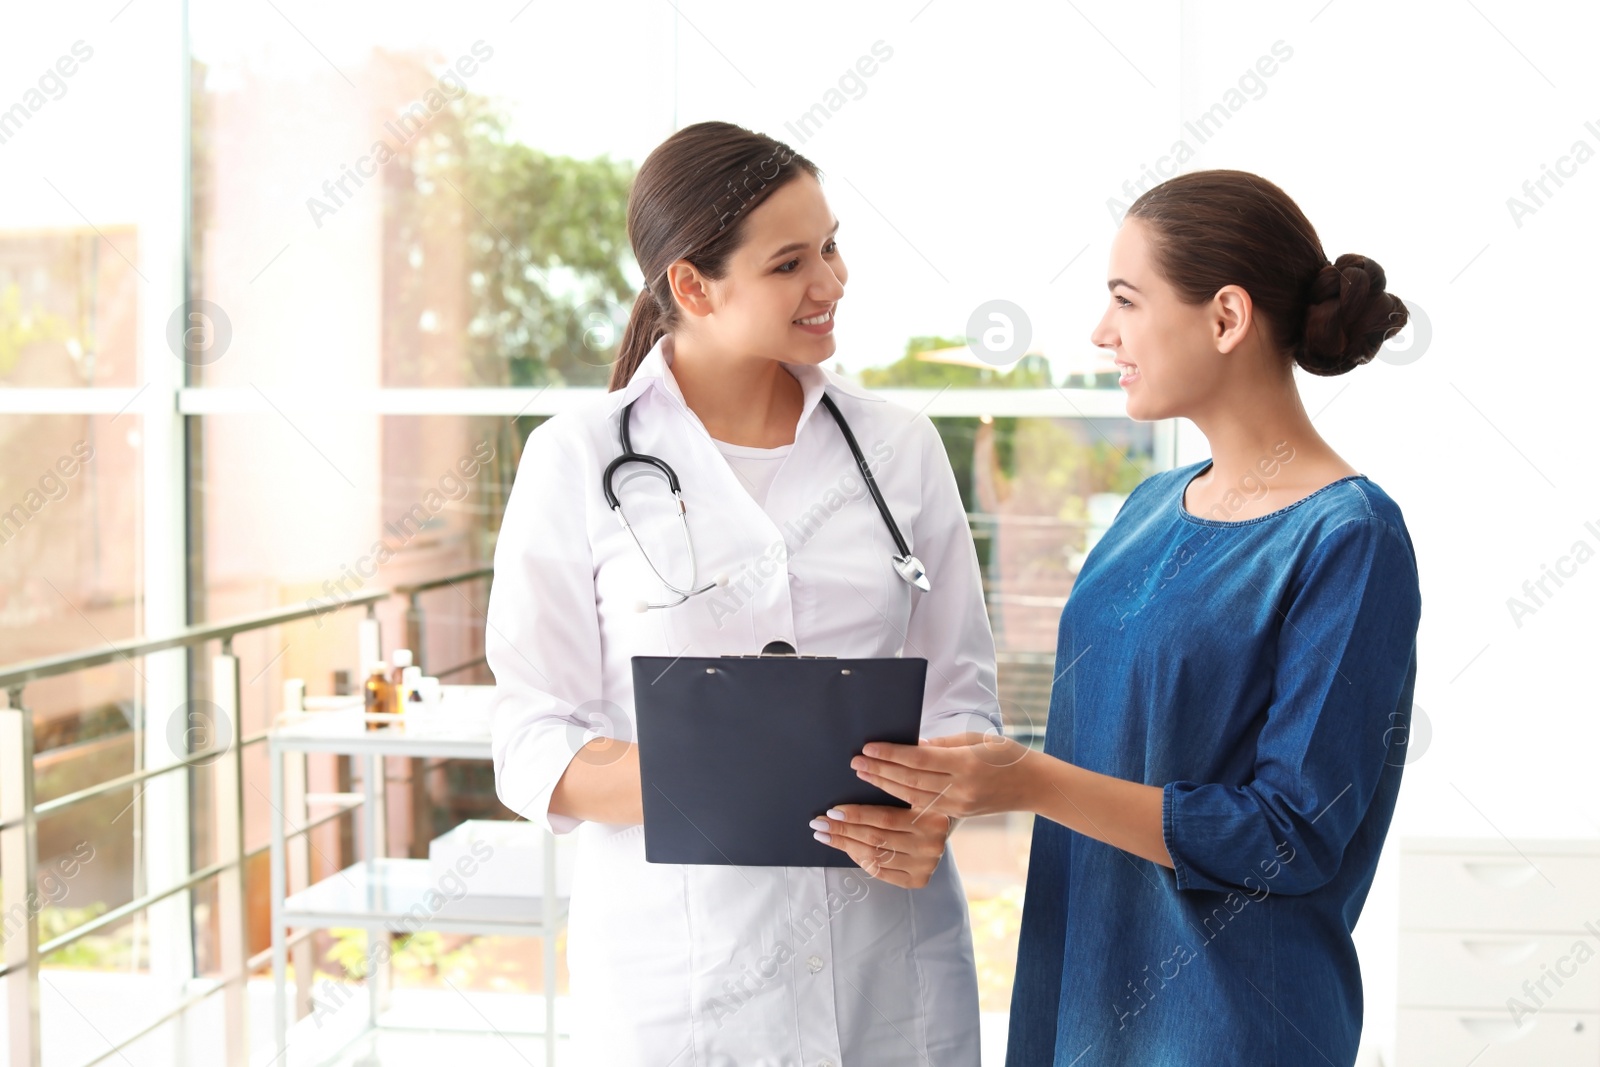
<point x="380" y="693"/>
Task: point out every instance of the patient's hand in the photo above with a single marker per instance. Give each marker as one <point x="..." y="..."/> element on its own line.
<point x="959" y="775"/>
<point x="895" y="845"/>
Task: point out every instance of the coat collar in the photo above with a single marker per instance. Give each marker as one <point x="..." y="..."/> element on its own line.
<point x="655" y="372"/>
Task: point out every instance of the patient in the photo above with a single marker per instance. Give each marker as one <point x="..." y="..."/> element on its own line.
<point x="1234" y="673"/>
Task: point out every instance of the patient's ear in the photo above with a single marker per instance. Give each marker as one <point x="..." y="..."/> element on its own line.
<point x="1232" y="313"/>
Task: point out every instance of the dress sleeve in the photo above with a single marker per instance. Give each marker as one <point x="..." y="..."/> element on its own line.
<point x="949" y="623"/>
<point x="542" y="637"/>
<point x="1346" y="655"/>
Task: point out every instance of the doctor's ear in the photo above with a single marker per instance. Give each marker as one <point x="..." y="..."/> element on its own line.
<point x="691" y="289"/>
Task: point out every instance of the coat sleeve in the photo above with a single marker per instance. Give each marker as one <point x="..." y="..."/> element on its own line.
<point x="1347" y="655"/>
<point x="542" y="637"/>
<point x="949" y="624"/>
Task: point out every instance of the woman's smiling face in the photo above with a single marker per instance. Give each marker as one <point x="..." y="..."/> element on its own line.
<point x="1164" y="347"/>
<point x="788" y="268"/>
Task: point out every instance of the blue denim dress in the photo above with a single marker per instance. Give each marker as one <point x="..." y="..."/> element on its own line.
<point x="1261" y="672"/>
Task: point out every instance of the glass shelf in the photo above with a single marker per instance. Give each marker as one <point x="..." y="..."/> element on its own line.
<point x="403" y="896"/>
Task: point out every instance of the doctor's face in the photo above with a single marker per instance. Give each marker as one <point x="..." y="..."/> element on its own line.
<point x="1162" y="345"/>
<point x="788" y="269"/>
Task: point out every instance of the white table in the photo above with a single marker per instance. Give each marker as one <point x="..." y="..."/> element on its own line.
<point x="395" y="895"/>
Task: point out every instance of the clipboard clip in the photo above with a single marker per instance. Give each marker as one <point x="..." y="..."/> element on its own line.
<point x="773" y="650"/>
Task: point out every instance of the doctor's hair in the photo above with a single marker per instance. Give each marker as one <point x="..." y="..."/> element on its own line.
<point x="1212" y="228"/>
<point x="690" y="201"/>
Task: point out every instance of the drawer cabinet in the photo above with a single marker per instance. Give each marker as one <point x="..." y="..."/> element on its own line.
<point x="1499" y="953"/>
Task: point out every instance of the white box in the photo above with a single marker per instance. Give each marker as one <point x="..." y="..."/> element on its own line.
<point x="497" y="858"/>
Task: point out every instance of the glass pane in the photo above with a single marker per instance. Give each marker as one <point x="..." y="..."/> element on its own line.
<point x="68" y="306"/>
<point x="69" y="508"/>
<point x="376" y="216"/>
<point x="86" y="198"/>
<point x="309" y="509"/>
<point x="436" y="199"/>
<point x="70" y="581"/>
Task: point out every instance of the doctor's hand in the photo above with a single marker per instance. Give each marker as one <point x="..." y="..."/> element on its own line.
<point x="959" y="775"/>
<point x="601" y="784"/>
<point x="895" y="845"/>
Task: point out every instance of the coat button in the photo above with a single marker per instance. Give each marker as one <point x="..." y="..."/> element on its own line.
<point x="815" y="963"/>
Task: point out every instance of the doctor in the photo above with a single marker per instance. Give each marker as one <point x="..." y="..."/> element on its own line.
<point x="781" y="537"/>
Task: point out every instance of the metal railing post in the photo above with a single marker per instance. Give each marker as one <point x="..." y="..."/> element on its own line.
<point x="277" y="892"/>
<point x="414" y="628"/>
<point x="369" y="641"/>
<point x="19" y="856"/>
<point x="376" y="813"/>
<point x="227" y="805"/>
<point x="418" y="796"/>
<point x="549" y="946"/>
<point x="297" y="859"/>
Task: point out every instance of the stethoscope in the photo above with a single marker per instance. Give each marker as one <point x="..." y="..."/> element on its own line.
<point x="906" y="565"/>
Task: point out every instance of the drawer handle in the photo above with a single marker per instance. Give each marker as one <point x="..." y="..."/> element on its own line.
<point x="1501" y="875"/>
<point x="1495" y="1029"/>
<point x="1501" y="953"/>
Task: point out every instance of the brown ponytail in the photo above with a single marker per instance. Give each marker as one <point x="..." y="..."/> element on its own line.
<point x="1212" y="228"/>
<point x="690" y="201"/>
<point x="644" y="329"/>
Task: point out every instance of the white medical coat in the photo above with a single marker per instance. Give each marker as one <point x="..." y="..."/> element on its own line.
<point x="707" y="965"/>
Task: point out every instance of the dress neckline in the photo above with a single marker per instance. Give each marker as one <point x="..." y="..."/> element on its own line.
<point x="1190" y="517"/>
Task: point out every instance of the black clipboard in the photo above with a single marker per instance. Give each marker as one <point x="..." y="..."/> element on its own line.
<point x="737" y="754"/>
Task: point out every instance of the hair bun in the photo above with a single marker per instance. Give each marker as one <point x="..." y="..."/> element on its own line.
<point x="1348" y="316"/>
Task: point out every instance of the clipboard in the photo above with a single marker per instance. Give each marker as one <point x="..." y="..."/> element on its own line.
<point x="737" y="754"/>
